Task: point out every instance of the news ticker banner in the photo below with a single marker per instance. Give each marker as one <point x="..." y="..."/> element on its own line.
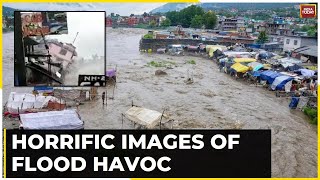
<point x="138" y="153"/>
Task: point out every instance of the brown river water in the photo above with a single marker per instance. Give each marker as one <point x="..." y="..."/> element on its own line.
<point x="213" y="101"/>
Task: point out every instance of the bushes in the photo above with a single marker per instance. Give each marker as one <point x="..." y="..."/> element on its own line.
<point x="312" y="114"/>
<point x="191" y="62"/>
<point x="148" y="36"/>
<point x="161" y="63"/>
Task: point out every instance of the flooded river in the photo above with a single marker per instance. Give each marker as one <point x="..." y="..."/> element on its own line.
<point x="213" y="101"/>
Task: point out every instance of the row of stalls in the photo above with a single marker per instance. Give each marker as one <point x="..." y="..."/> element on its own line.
<point x="287" y="76"/>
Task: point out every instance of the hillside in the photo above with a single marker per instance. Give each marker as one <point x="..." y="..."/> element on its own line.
<point x="215" y="6"/>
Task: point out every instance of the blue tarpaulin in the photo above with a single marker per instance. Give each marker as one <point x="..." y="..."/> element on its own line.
<point x="254" y="45"/>
<point x="294" y="102"/>
<point x="280" y="82"/>
<point x="42" y="88"/>
<point x="269" y="76"/>
<point x="255" y="73"/>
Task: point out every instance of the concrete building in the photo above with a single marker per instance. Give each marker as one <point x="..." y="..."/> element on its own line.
<point x="232" y="24"/>
<point x="259" y="27"/>
<point x="291" y="43"/>
<point x="278" y="27"/>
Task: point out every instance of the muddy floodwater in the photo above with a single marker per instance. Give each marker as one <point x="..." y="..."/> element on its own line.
<point x="213" y="101"/>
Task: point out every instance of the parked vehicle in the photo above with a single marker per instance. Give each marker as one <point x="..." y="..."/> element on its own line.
<point x="175" y="49"/>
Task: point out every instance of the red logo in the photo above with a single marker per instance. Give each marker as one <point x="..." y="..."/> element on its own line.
<point x="308" y="10"/>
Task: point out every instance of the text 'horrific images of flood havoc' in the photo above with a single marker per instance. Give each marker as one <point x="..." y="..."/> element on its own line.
<point x="181" y="66"/>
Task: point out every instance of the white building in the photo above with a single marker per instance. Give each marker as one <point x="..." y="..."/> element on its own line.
<point x="291" y="43"/>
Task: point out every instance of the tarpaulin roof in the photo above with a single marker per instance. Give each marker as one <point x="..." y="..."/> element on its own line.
<point x="215" y="47"/>
<point x="307" y="72"/>
<point x="146" y="117"/>
<point x="238" y="60"/>
<point x="294" y="67"/>
<point x="289" y="60"/>
<point x="66" y="119"/>
<point x="233" y="53"/>
<point x="240" y="67"/>
<point x="21" y="102"/>
<point x="286" y="64"/>
<point x="280" y="81"/>
<point x="255" y="66"/>
<point x="255" y="73"/>
<point x="308" y="50"/>
<point x="269" y="76"/>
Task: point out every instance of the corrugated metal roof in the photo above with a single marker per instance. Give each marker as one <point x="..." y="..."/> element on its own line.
<point x="308" y="50"/>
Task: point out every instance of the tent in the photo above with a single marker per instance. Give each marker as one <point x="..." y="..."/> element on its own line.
<point x="145" y="117"/>
<point x="66" y="119"/>
<point x="269" y="76"/>
<point x="294" y="67"/>
<point x="210" y="49"/>
<point x="244" y="60"/>
<point x="240" y="67"/>
<point x="255" y="73"/>
<point x="307" y="72"/>
<point x="288" y="60"/>
<point x="265" y="55"/>
<point x="255" y="66"/>
<point x="22" y="102"/>
<point x="217" y="53"/>
<point x="280" y="82"/>
<point x="234" y="54"/>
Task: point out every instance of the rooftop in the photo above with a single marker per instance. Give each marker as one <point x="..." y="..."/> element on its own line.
<point x="308" y="50"/>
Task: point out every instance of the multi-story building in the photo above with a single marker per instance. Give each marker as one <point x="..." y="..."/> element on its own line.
<point x="133" y="21"/>
<point x="278" y="27"/>
<point x="109" y="22"/>
<point x="232" y="24"/>
<point x="259" y="27"/>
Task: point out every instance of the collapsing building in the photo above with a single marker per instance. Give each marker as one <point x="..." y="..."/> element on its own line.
<point x="47" y="61"/>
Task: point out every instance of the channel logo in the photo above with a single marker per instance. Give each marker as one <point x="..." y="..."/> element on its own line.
<point x="308" y="10"/>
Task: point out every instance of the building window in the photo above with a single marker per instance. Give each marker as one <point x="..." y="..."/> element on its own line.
<point x="295" y="42"/>
<point x="63" y="52"/>
<point x="288" y="41"/>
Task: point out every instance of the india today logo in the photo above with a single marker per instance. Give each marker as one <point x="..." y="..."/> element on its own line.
<point x="308" y="10"/>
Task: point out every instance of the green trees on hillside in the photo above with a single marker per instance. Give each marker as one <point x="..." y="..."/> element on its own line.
<point x="193" y="16"/>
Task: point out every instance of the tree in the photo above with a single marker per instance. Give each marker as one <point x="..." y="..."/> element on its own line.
<point x="145" y="14"/>
<point x="165" y="23"/>
<point x="262" y="38"/>
<point x="152" y="24"/>
<point x="196" y="21"/>
<point x="310" y="29"/>
<point x="184" y="16"/>
<point x="311" y="32"/>
<point x="210" y="20"/>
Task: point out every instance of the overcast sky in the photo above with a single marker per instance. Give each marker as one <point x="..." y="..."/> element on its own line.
<point x="120" y="8"/>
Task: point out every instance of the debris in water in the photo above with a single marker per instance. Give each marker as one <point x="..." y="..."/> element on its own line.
<point x="208" y="93"/>
<point x="160" y="73"/>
